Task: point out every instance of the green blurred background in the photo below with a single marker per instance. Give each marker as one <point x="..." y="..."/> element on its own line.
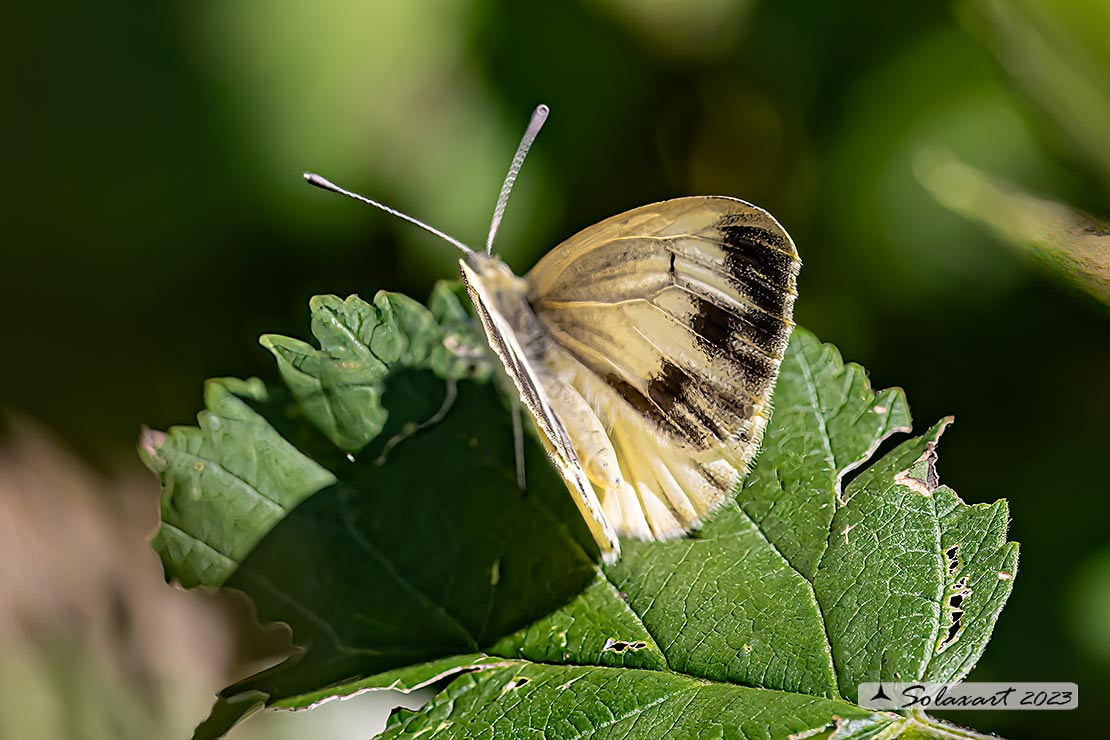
<point x="156" y="222"/>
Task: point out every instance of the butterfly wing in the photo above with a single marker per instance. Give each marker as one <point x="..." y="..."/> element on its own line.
<point x="502" y="334"/>
<point x="671" y="321"/>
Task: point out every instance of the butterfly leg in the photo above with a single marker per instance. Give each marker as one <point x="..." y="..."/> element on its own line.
<point x="411" y="428"/>
<point x="518" y="445"/>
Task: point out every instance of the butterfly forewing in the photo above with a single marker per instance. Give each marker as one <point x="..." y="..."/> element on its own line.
<point x="671" y="320"/>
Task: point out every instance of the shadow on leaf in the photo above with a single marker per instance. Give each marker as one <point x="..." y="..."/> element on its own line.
<point x="435" y="553"/>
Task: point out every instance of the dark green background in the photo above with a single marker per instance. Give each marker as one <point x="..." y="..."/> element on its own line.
<point x="155" y="221"/>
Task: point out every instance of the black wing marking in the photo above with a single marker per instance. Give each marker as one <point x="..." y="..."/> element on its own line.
<point x="683" y="308"/>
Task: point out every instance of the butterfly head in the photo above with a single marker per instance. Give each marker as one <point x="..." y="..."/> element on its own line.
<point x="493" y="272"/>
<point x="493" y="285"/>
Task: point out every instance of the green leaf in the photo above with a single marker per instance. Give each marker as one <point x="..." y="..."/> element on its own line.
<point x="339" y="386"/>
<point x="433" y="567"/>
<point x="827" y="422"/>
<point x="225" y="483"/>
<point x="598" y="623"/>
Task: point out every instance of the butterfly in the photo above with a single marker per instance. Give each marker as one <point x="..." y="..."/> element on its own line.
<point x="645" y="349"/>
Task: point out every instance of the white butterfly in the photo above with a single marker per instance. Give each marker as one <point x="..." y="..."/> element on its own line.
<point x="645" y="348"/>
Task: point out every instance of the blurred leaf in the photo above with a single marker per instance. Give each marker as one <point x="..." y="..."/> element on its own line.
<point x="1058" y="53"/>
<point x="1089" y="603"/>
<point x="410" y="572"/>
<point x="92" y="644"/>
<point x="1067" y="239"/>
<point x="888" y="235"/>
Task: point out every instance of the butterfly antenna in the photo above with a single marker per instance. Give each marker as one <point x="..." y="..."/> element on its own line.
<point x="325" y="184"/>
<point x="534" y="126"/>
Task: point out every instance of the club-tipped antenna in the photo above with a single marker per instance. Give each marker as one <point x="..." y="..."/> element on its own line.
<point x="325" y="184"/>
<point x="534" y="126"/>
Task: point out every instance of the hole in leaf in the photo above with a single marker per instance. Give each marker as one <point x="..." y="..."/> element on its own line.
<point x="622" y="646"/>
<point x="515" y="684"/>
<point x="953" y="555"/>
<point x="955" y="613"/>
